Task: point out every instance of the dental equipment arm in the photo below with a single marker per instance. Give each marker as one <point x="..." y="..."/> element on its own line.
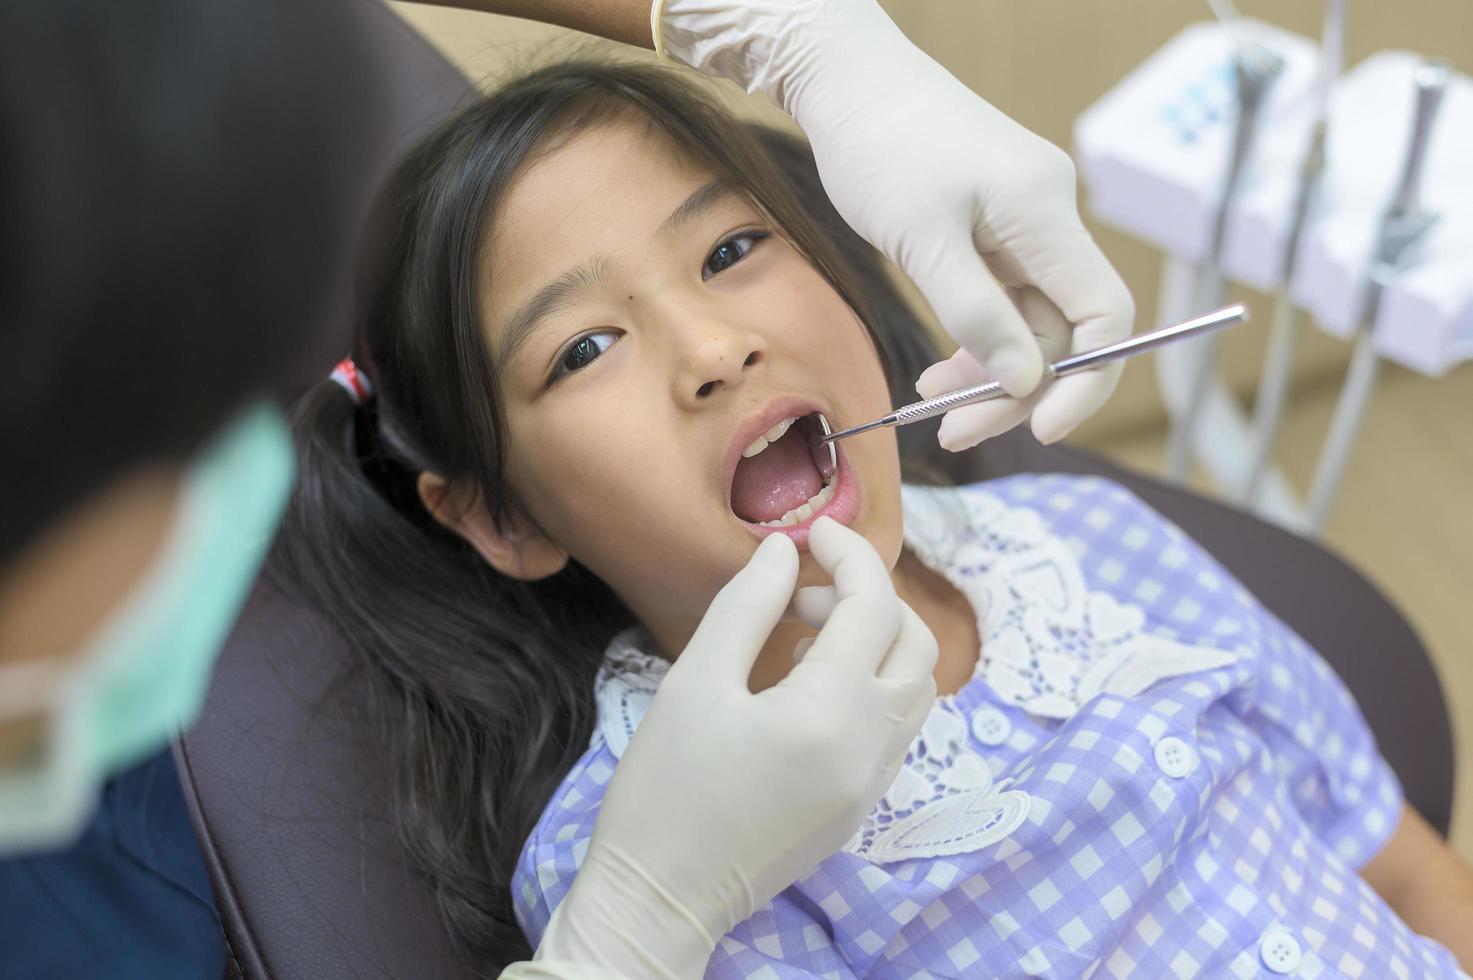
<point x="1255" y="68"/>
<point x="1403" y="224"/>
<point x="1278" y="361"/>
<point x="724" y="797"/>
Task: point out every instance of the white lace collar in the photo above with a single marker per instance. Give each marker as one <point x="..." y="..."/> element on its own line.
<point x="625" y="686"/>
<point x="1050" y="645"/>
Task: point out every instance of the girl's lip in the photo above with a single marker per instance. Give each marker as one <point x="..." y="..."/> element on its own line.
<point x="759" y="422"/>
<point x="843" y="507"/>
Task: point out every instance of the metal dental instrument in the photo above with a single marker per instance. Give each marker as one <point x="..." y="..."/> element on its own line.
<point x="1255" y="68"/>
<point x="1403" y="224"/>
<point x="1128" y="347"/>
<point x="1278" y="361"/>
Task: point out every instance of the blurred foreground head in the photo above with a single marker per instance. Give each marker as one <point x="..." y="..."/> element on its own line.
<point x="178" y="195"/>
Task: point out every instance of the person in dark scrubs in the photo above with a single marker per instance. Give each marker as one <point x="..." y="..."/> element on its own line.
<point x="174" y="212"/>
<point x="129" y="899"/>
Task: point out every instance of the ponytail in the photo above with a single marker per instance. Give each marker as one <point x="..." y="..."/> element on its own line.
<point x="486" y="683"/>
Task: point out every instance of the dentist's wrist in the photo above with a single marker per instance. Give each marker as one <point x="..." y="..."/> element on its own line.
<point x="617" y="918"/>
<point x="782" y="48"/>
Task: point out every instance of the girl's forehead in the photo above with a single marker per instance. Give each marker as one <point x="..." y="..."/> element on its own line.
<point x="599" y="195"/>
<point x="622" y="166"/>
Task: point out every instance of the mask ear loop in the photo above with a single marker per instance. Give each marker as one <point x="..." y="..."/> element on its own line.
<point x="353" y="381"/>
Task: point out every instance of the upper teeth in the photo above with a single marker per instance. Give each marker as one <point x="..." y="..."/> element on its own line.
<point x="768" y="438"/>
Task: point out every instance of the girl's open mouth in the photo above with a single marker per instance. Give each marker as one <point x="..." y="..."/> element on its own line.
<point x="786" y="478"/>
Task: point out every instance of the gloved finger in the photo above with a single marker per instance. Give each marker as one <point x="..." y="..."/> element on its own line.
<point x="962" y="428"/>
<point x="800" y="649"/>
<point x="921" y="703"/>
<point x="913" y="654"/>
<point x="1051" y="329"/>
<point x="813" y="604"/>
<point x="1075" y="276"/>
<point x="743" y="614"/>
<point x="1069" y="401"/>
<point x="960" y="370"/>
<point x="975" y="309"/>
<point x="866" y="617"/>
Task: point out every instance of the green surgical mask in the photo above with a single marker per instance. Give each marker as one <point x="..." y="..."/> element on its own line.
<point x="145" y="672"/>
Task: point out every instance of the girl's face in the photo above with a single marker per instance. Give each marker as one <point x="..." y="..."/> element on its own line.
<point x="648" y="325"/>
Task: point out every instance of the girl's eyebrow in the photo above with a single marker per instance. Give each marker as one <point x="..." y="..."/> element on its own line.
<point x="546" y="301"/>
<point x="560" y="291"/>
<point x="694" y="206"/>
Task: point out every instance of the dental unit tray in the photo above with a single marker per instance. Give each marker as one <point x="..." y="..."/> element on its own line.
<point x="1153" y="153"/>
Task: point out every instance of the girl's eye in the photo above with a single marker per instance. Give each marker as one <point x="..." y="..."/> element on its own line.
<point x="583" y="352"/>
<point x="730" y="252"/>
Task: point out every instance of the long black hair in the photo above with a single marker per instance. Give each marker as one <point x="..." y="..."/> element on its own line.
<point x="486" y="682"/>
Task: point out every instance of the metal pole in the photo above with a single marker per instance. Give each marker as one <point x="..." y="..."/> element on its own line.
<point x="1403" y="224"/>
<point x="1254" y="68"/>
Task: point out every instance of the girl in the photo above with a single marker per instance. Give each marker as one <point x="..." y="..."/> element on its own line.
<point x="590" y="408"/>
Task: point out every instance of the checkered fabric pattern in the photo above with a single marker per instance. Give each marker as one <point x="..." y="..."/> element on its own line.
<point x="1208" y="825"/>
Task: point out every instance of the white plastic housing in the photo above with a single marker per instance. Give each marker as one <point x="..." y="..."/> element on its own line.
<point x="1154" y="151"/>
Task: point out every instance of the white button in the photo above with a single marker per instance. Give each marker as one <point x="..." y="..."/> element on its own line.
<point x="991" y="726"/>
<point x="1280" y="951"/>
<point x="1175" y="757"/>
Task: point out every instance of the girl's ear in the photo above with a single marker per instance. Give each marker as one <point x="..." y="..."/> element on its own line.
<point x="519" y="550"/>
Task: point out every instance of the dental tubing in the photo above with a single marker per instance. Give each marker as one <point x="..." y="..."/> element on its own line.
<point x="1403" y="225"/>
<point x="1278" y="361"/>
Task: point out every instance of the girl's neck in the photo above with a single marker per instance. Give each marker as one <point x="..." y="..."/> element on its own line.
<point x="940" y="605"/>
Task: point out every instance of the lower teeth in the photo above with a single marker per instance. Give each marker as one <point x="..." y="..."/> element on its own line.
<point x="803" y="511"/>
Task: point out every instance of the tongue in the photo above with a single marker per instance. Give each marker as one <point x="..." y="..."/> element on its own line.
<point x="776" y="480"/>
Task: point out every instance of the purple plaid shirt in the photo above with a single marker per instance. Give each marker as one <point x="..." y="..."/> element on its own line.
<point x="1147" y="776"/>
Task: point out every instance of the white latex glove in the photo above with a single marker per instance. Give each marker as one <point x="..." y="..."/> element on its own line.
<point x="962" y="427"/>
<point x="723" y="798"/>
<point x="961" y="197"/>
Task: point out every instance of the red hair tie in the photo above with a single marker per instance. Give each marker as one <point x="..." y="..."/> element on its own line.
<point x="353" y="381"/>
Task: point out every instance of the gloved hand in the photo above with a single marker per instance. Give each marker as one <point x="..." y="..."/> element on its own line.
<point x="723" y="798"/>
<point x="961" y="427"/>
<point x="961" y="197"/>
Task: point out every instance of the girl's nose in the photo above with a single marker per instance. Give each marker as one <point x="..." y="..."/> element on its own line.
<point x="717" y="359"/>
